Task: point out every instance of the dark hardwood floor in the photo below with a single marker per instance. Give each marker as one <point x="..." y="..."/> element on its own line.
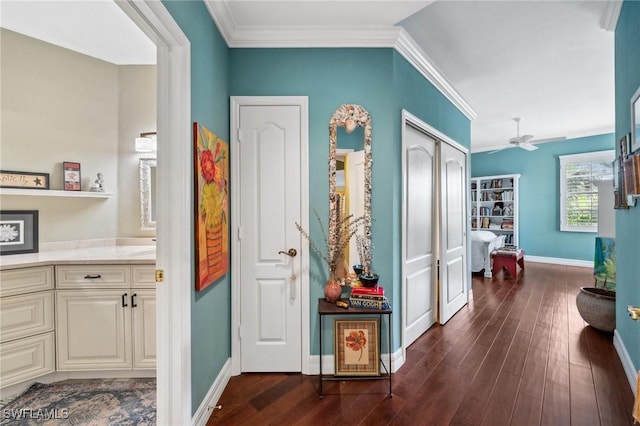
<point x="518" y="354"/>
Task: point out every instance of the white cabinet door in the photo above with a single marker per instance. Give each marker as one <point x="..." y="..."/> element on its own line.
<point x="93" y="329"/>
<point x="143" y="309"/>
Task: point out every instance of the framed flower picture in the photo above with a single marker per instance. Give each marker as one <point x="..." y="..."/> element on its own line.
<point x="357" y="347"/>
<point x="211" y="158"/>
<point x="18" y="231"/>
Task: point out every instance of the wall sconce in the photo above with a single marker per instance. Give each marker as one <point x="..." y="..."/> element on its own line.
<point x="147" y="142"/>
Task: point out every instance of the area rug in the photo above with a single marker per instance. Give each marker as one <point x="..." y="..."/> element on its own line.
<point x="96" y="402"/>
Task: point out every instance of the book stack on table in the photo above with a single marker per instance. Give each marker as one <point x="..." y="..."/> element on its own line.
<point x="369" y="298"/>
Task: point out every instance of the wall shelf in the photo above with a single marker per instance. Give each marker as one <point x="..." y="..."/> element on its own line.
<point x="53" y="193"/>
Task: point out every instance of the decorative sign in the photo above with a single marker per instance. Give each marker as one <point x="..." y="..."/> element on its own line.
<point x="24" y="180"/>
<point x="71" y="176"/>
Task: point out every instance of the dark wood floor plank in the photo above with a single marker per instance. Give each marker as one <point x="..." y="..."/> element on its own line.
<point x="518" y="354"/>
<point x="584" y="407"/>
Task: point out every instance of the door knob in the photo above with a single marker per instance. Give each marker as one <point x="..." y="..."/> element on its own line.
<point x="292" y="252"/>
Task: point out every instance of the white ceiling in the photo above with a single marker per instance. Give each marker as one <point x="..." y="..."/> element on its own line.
<point x="549" y="62"/>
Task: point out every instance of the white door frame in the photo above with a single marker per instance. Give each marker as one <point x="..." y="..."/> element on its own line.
<point x="174" y="252"/>
<point x="236" y="103"/>
<point x="410" y="119"/>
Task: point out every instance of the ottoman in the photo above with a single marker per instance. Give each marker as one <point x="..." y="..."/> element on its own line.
<point x="507" y="259"/>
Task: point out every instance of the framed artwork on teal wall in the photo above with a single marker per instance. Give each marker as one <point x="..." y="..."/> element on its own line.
<point x="635" y="121"/>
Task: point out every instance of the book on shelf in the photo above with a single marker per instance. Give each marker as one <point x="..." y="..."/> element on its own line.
<point x="507" y="224"/>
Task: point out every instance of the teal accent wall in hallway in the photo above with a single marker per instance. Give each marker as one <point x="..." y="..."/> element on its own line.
<point x="382" y="82"/>
<point x="539" y="230"/>
<point x="210" y="308"/>
<point x="627" y="72"/>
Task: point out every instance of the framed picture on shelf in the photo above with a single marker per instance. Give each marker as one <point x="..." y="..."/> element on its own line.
<point x="356" y="347"/>
<point x="18" y="231"/>
<point x="635" y="121"/>
<point x="24" y="180"/>
<point x="72" y="178"/>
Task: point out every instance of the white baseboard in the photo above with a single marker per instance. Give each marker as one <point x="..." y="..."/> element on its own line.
<point x="209" y="402"/>
<point x="328" y="362"/>
<point x="627" y="364"/>
<point x="559" y="261"/>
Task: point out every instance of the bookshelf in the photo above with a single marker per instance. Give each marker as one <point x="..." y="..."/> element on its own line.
<point x="494" y="205"/>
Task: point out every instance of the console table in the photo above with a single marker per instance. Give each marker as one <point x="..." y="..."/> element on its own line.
<point x="329" y="309"/>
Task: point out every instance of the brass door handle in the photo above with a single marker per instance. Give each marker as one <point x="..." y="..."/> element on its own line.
<point x="634" y="312"/>
<point x="291" y="253"/>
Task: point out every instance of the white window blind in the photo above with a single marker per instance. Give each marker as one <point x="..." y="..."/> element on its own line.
<point x="578" y="193"/>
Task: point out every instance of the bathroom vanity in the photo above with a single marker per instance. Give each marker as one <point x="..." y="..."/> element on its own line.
<point x="84" y="309"/>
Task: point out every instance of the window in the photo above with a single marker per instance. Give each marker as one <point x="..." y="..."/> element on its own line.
<point x="578" y="193"/>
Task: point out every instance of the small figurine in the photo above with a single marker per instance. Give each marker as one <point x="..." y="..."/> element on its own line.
<point x="98" y="184"/>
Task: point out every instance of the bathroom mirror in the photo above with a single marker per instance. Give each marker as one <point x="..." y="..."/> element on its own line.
<point x="147" y="194"/>
<point x="351" y="117"/>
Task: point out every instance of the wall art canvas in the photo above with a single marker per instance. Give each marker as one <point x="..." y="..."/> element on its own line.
<point x="604" y="265"/>
<point x="211" y="158"/>
<point x="356" y="347"/>
<point x="18" y="231"/>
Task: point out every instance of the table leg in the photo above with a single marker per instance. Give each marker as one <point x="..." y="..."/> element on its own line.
<point x="320" y="321"/>
<point x="389" y="345"/>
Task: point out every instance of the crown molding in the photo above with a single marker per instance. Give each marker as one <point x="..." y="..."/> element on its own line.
<point x="410" y="50"/>
<point x="610" y="15"/>
<point x="338" y="37"/>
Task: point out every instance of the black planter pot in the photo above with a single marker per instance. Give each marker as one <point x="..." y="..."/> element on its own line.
<point x="370" y="280"/>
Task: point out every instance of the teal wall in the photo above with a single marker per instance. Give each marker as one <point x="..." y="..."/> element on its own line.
<point x="627" y="74"/>
<point x="330" y="78"/>
<point x="210" y="308"/>
<point x="539" y="228"/>
<point x="381" y="81"/>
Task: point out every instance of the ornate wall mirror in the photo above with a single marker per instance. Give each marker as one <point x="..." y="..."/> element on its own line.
<point x="147" y="194"/>
<point x="351" y="117"/>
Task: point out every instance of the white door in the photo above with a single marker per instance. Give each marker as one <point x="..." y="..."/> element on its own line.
<point x="453" y="231"/>
<point x="270" y="302"/>
<point x="354" y="168"/>
<point x="418" y="240"/>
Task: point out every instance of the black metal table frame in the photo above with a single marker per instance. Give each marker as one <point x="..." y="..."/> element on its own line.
<point x="325" y="308"/>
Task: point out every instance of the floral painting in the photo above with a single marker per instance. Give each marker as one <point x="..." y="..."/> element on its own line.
<point x="356" y="347"/>
<point x="211" y="167"/>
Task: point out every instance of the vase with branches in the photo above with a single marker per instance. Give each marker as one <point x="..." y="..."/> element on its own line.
<point x="335" y="244"/>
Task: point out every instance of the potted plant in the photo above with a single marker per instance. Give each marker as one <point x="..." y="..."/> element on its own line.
<point x="334" y="246"/>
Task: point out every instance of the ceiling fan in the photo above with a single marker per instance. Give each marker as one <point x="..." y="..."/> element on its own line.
<point x="523" y="141"/>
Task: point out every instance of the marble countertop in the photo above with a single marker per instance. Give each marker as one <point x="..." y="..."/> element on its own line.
<point x="116" y="254"/>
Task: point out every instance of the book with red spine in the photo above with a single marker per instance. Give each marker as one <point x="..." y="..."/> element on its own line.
<point x="375" y="291"/>
<point x="368" y="296"/>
